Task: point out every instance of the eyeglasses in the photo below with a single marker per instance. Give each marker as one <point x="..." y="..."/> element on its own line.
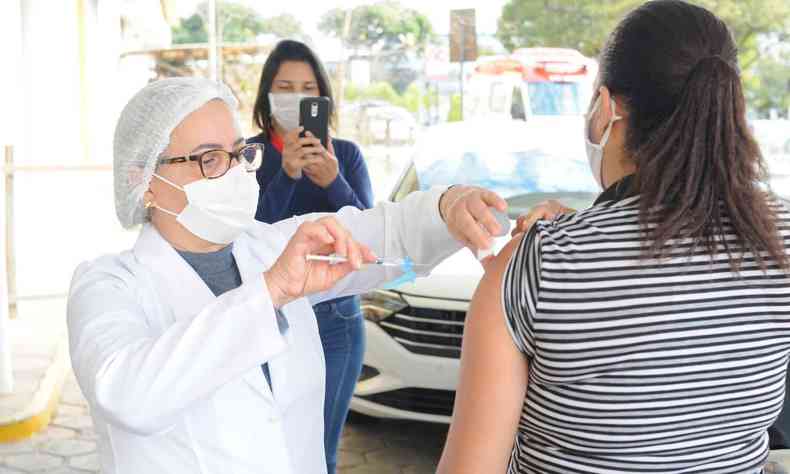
<point x="215" y="163"/>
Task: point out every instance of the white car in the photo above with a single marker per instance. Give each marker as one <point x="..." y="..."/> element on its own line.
<point x="414" y="332"/>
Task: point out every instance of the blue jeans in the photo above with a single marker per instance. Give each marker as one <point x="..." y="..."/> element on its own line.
<point x="342" y="331"/>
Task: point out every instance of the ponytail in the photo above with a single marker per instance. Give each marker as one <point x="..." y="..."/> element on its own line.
<point x="700" y="170"/>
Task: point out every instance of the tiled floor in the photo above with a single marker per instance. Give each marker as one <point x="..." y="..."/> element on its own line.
<point x="68" y="446"/>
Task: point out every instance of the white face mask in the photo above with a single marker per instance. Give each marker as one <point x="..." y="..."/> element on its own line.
<point x="218" y="210"/>
<point x="285" y="109"/>
<point x="595" y="152"/>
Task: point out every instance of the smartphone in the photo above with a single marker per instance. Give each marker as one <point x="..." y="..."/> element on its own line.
<point x="314" y="117"/>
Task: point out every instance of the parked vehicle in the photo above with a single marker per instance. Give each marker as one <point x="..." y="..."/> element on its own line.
<point x="378" y="122"/>
<point x="414" y="332"/>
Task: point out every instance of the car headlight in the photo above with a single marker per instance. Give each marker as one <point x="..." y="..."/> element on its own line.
<point x="379" y="305"/>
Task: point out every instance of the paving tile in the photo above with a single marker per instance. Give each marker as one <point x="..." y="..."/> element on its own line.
<point x="18" y="447"/>
<point x="347" y="459"/>
<point x="72" y="398"/>
<point x="8" y="470"/>
<point x="68" y="447"/>
<point x="774" y="468"/>
<point x="72" y="395"/>
<point x="53" y="432"/>
<point x="392" y="456"/>
<point x="420" y="469"/>
<point x="361" y="444"/>
<point x="88" y="434"/>
<point x="370" y="469"/>
<point x="77" y="422"/>
<point x="33" y="462"/>
<point x="62" y="470"/>
<point x="89" y="462"/>
<point x="780" y="456"/>
<point x="66" y="409"/>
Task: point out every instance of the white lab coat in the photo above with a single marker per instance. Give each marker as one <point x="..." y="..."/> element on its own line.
<point x="173" y="374"/>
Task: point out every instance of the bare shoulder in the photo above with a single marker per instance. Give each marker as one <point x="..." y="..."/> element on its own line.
<point x="496" y="267"/>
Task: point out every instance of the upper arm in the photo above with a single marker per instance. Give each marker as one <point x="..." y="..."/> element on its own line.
<point x="103" y="317"/>
<point x="142" y="376"/>
<point x="493" y="381"/>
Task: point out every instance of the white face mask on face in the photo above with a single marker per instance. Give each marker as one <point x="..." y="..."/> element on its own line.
<point x="595" y="152"/>
<point x="285" y="109"/>
<point x="218" y="210"/>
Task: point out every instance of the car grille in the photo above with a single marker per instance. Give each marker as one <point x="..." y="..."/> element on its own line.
<point x="427" y="331"/>
<point x="420" y="400"/>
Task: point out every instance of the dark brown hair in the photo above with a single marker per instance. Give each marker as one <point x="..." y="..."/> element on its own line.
<point x="288" y="50"/>
<point x="699" y="169"/>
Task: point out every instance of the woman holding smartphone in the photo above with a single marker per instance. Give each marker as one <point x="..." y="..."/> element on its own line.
<point x="300" y="176"/>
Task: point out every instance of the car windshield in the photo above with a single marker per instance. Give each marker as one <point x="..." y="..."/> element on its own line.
<point x="523" y="178"/>
<point x="555" y="98"/>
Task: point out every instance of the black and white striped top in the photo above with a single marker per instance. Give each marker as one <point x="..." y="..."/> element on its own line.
<point x="641" y="366"/>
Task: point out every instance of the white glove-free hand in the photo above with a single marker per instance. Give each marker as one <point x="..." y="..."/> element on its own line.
<point x="546" y="210"/>
<point x="293" y="276"/>
<point x="470" y="217"/>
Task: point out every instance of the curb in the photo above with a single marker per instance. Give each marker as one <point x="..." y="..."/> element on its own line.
<point x="38" y="413"/>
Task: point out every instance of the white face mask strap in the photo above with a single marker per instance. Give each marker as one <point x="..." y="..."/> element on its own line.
<point x="615" y="118"/>
<point x="174" y="214"/>
<point x="168" y="182"/>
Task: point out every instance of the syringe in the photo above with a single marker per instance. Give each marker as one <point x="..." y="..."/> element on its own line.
<point x="385" y="261"/>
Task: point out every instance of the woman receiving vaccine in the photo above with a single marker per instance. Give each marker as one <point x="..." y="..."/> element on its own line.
<point x="299" y="176"/>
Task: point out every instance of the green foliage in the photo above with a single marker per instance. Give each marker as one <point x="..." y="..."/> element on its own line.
<point x="239" y="24"/>
<point x="577" y="24"/>
<point x="769" y="85"/>
<point x="380" y="26"/>
<point x="190" y="30"/>
<point x="585" y="24"/>
<point x="284" y="26"/>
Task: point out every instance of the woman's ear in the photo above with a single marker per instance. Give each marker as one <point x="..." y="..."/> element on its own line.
<point x="605" y="107"/>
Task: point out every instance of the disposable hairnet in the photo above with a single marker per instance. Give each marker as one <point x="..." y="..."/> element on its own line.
<point x="143" y="132"/>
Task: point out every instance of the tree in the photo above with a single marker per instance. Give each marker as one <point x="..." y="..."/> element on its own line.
<point x="577" y="24"/>
<point x="239" y="69"/>
<point x="585" y="24"/>
<point x="770" y="89"/>
<point x="238" y="23"/>
<point x="190" y="30"/>
<point x="380" y="28"/>
<point x="285" y="26"/>
<point x="385" y="33"/>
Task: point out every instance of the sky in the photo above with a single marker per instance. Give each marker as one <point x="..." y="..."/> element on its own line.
<point x="437" y="10"/>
